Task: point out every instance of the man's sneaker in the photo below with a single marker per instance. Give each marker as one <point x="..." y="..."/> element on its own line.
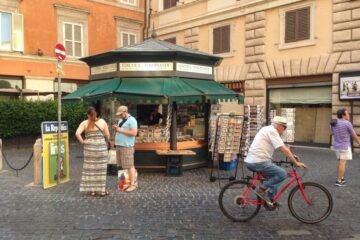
<point x="340" y="183"/>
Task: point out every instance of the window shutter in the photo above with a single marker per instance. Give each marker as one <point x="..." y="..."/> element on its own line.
<point x="297" y="25"/>
<point x="303" y="24"/>
<point x="290" y="27"/>
<point x="18" y="32"/>
<point x="166" y="4"/>
<point x="125" y="40"/>
<point x="77" y="33"/>
<point x="132" y="39"/>
<point x="169" y="3"/>
<point x="221" y="39"/>
<point x="226" y="39"/>
<point x="171" y="40"/>
<point x="216" y="40"/>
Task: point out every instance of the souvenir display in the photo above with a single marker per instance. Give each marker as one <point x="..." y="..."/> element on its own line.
<point x="148" y="134"/>
<point x="256" y="118"/>
<point x="289" y="114"/>
<point x="272" y="114"/>
<point x="224" y="135"/>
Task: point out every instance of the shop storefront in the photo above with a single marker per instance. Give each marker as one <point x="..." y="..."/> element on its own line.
<point x="309" y="101"/>
<point x="158" y="77"/>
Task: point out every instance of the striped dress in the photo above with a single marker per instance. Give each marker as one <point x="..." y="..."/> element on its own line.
<point x="96" y="156"/>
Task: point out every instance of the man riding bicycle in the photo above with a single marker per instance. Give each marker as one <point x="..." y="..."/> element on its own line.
<point x="259" y="157"/>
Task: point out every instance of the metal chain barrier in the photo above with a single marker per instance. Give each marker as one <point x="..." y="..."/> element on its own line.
<point x="17" y="169"/>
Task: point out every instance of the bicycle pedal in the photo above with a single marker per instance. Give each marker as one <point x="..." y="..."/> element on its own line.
<point x="269" y="206"/>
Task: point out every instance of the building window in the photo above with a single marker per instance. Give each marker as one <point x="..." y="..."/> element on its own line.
<point x="128" y="31"/>
<point x="221" y="39"/>
<point x="73" y="39"/>
<point x="65" y="87"/>
<point x="72" y="26"/>
<point x="129" y="2"/>
<point x="171" y="40"/>
<point x="11" y="32"/>
<point x="297" y="25"/>
<point x="10" y="82"/>
<point x="127" y="39"/>
<point x="169" y="4"/>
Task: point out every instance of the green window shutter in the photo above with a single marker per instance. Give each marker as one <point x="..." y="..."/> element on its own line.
<point x="18" y="32"/>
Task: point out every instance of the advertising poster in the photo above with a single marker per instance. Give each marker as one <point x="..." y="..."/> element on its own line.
<point x="349" y="86"/>
<point x="50" y="153"/>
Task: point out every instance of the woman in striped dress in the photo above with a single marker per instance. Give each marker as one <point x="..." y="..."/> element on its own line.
<point x="96" y="154"/>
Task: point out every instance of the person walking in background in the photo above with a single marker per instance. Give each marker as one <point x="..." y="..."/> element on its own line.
<point x="342" y="130"/>
<point x="126" y="131"/>
<point x="96" y="153"/>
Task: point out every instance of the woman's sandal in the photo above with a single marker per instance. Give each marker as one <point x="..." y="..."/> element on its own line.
<point x="131" y="188"/>
<point x="103" y="194"/>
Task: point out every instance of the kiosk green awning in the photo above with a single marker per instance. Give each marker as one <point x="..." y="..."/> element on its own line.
<point x="159" y="90"/>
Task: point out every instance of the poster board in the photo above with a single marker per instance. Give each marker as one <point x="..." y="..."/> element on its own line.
<point x="50" y="154"/>
<point x="349" y="85"/>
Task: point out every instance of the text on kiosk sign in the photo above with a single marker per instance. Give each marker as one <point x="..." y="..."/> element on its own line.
<point x="52" y="127"/>
<point x="161" y="66"/>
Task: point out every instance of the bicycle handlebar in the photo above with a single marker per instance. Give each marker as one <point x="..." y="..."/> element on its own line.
<point x="279" y="163"/>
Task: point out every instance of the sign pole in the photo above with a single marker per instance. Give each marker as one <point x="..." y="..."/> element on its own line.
<point x="59" y="123"/>
<point x="60" y="53"/>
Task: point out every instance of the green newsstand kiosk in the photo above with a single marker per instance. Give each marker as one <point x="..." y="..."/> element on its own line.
<point x="176" y="80"/>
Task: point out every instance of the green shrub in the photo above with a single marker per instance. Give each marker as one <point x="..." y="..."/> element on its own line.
<point x="22" y="117"/>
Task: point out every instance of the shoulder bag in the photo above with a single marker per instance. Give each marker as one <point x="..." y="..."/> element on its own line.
<point x="107" y="142"/>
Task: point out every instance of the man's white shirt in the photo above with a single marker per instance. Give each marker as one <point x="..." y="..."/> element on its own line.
<point x="265" y="142"/>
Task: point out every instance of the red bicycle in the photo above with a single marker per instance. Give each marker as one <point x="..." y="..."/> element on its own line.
<point x="309" y="202"/>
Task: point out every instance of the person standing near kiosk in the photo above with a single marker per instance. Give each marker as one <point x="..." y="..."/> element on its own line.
<point x="126" y="131"/>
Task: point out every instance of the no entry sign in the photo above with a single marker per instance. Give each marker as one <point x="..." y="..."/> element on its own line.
<point x="60" y="52"/>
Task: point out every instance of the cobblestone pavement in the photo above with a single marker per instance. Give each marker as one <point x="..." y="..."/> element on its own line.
<point x="164" y="207"/>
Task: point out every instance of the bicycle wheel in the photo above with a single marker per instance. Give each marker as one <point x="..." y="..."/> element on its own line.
<point x="317" y="210"/>
<point x="236" y="207"/>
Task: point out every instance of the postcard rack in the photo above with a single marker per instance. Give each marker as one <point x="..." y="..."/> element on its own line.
<point x="225" y="133"/>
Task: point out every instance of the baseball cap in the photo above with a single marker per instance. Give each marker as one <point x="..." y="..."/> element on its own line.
<point x="121" y="109"/>
<point x="280" y="120"/>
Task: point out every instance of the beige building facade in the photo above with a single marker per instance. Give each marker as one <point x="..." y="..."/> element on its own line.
<point x="278" y="53"/>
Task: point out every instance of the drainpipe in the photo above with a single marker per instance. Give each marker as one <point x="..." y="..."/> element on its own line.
<point x="147" y="15"/>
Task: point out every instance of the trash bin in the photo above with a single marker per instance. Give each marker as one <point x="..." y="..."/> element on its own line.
<point x="227" y="166"/>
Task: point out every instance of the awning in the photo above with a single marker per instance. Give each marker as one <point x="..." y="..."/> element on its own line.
<point x="155" y="90"/>
<point x="313" y="95"/>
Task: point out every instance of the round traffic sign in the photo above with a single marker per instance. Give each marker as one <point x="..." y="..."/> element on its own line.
<point x="60" y="52"/>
